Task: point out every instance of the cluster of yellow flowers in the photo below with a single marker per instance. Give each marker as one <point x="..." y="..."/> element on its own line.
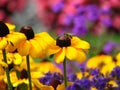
<point x="19" y="48"/>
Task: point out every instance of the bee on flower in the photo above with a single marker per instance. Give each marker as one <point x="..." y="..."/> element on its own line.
<point x="69" y="46"/>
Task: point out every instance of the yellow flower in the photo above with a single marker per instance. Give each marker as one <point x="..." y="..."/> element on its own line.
<point x="93" y="88"/>
<point x="113" y="83"/>
<point x="2" y="75"/>
<point x="15" y="80"/>
<point x="8" y="36"/>
<point x="35" y="45"/>
<point x="103" y="62"/>
<point x="14" y="58"/>
<point x="62" y="86"/>
<point x="69" y="46"/>
<point x="40" y="68"/>
<point x="41" y="86"/>
<point x="46" y="87"/>
<point x="118" y="59"/>
<point x="37" y="70"/>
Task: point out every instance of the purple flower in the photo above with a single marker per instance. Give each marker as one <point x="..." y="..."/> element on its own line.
<point x="107" y="21"/>
<point x="75" y="86"/>
<point x="82" y="67"/>
<point x="92" y="12"/>
<point x="95" y="72"/>
<point x="108" y="47"/>
<point x="68" y="20"/>
<point x="72" y="77"/>
<point x="56" y="8"/>
<point x="115" y="72"/>
<point x="83" y="84"/>
<point x="99" y="82"/>
<point x="81" y="10"/>
<point x="52" y="79"/>
<point x="80" y="31"/>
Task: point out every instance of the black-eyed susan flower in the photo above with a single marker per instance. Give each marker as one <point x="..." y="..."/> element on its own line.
<point x="35" y="44"/>
<point x="69" y="46"/>
<point x="32" y="46"/>
<point x="37" y="70"/>
<point x="12" y="59"/>
<point x="8" y="36"/>
<point x="103" y="62"/>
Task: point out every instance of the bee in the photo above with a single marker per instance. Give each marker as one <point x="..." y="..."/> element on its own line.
<point x="69" y="35"/>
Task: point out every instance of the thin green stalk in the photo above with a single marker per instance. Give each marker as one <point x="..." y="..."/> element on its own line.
<point x="7" y="70"/>
<point x="65" y="73"/>
<point x="29" y="75"/>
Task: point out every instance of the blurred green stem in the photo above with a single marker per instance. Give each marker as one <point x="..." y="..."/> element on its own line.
<point x="29" y="75"/>
<point x="7" y="70"/>
<point x="65" y="73"/>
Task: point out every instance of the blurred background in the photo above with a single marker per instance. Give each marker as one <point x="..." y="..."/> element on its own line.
<point x="96" y="21"/>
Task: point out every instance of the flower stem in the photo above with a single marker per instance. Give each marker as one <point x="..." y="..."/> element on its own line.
<point x="65" y="73"/>
<point x="7" y="70"/>
<point x="29" y="75"/>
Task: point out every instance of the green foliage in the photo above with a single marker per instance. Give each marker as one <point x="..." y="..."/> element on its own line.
<point x="98" y="41"/>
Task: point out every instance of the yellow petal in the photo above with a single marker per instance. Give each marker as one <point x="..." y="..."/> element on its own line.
<point x="46" y="87"/>
<point x="93" y="88"/>
<point x="13" y="77"/>
<point x="78" y="43"/>
<point x="62" y="86"/>
<point x="15" y="38"/>
<point x="10" y="48"/>
<point x="20" y="81"/>
<point x="35" y="50"/>
<point x="36" y="74"/>
<point x="71" y="53"/>
<point x="118" y="56"/>
<point x="41" y="86"/>
<point x="113" y="83"/>
<point x="3" y="43"/>
<point x="79" y="75"/>
<point x="3" y="64"/>
<point x="24" y="48"/>
<point x="74" y="54"/>
<point x="53" y="50"/>
<point x="60" y="56"/>
<point x="10" y="58"/>
<point x="81" y="56"/>
<point x="46" y="37"/>
<point x="10" y="26"/>
<point x="93" y="62"/>
<point x="17" y="59"/>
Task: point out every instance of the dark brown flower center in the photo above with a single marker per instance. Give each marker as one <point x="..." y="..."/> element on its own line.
<point x="24" y="74"/>
<point x="28" y="31"/>
<point x="54" y="83"/>
<point x="3" y="29"/>
<point x="64" y="41"/>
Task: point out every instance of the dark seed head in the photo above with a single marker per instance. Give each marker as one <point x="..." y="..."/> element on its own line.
<point x="28" y="31"/>
<point x="64" y="41"/>
<point x="24" y="74"/>
<point x="55" y="83"/>
<point x="3" y="29"/>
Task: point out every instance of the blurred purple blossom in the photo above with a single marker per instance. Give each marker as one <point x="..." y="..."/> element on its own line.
<point x="109" y="47"/>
